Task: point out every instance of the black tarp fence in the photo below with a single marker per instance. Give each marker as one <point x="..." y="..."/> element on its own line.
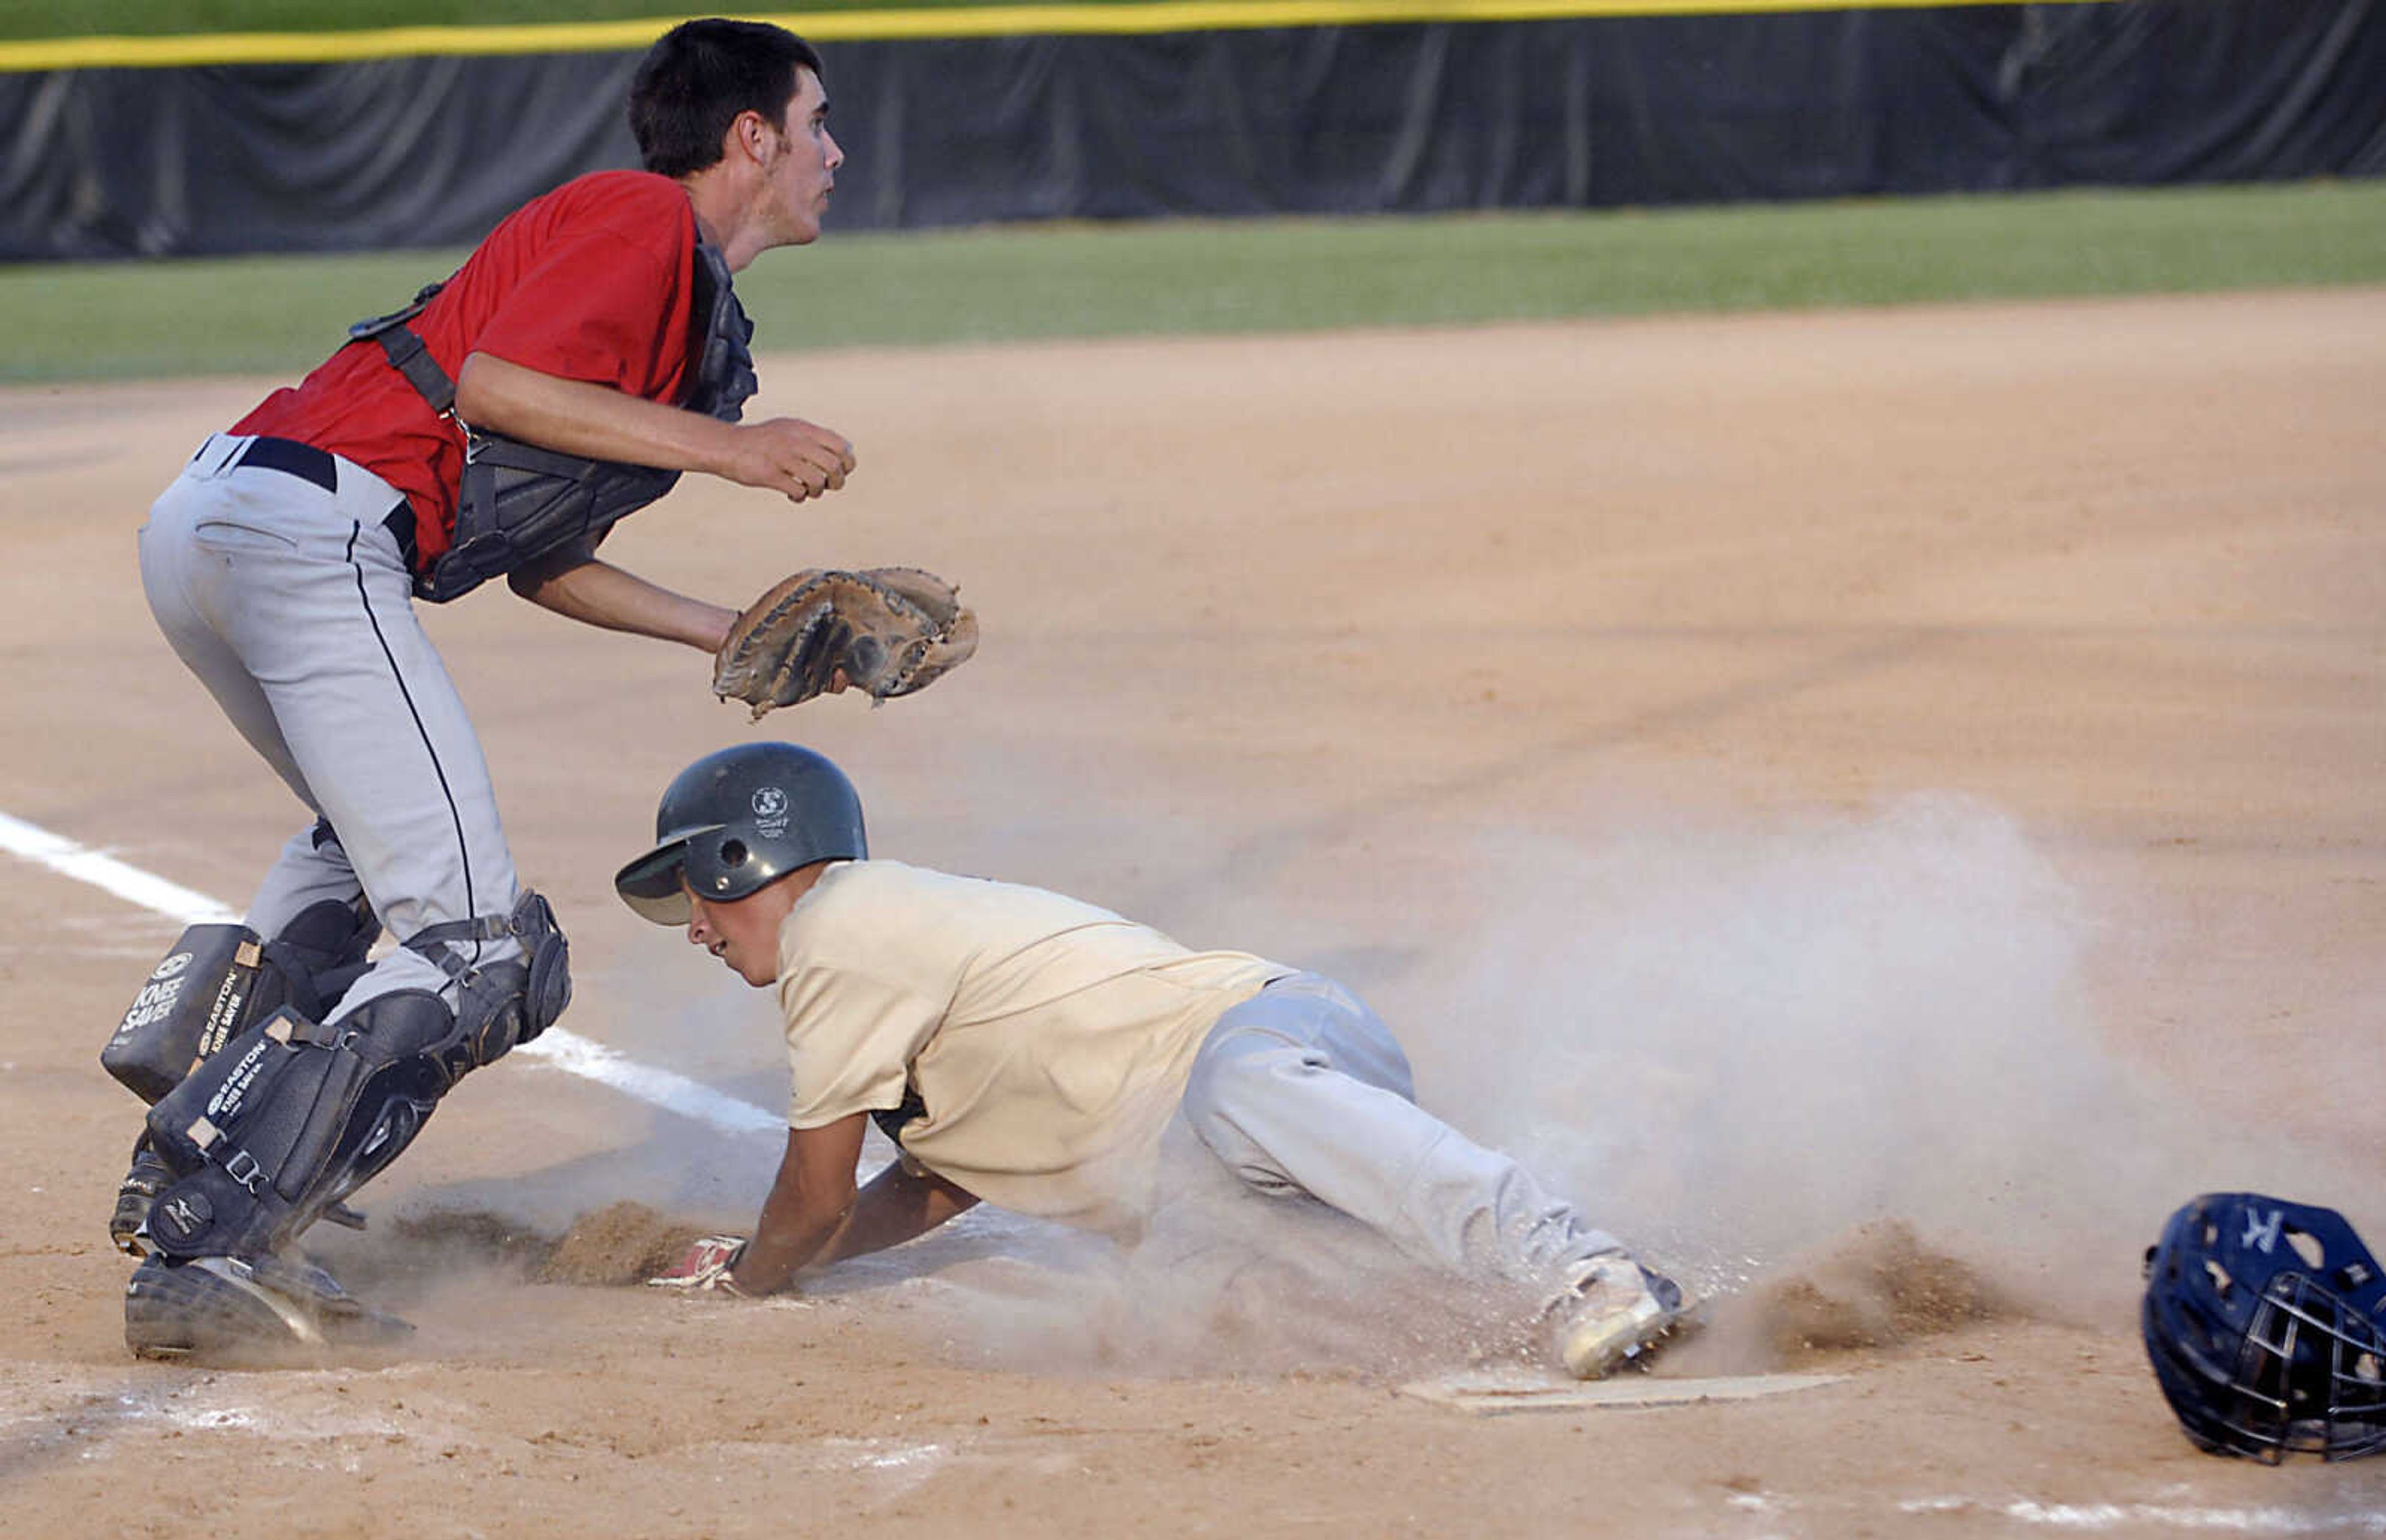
<point x="1581" y="112"/>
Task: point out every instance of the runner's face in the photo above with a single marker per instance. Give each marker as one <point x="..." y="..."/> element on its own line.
<point x="802" y="166"/>
<point x="743" y="934"/>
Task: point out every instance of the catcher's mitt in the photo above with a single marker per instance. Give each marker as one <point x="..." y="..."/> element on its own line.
<point x="890" y="630"/>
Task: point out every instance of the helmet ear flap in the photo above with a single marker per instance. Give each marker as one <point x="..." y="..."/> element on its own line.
<point x="723" y="864"/>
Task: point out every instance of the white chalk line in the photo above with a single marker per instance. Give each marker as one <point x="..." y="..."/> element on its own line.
<point x="555" y="1047"/>
<point x="2092" y="1517"/>
<point x="64" y="856"/>
<point x="590" y="1059"/>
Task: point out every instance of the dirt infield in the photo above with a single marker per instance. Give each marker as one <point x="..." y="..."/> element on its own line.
<point x="1883" y="806"/>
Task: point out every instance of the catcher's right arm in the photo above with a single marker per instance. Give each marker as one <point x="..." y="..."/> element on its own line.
<point x="888" y="629"/>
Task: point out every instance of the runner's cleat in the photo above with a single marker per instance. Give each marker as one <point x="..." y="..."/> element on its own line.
<point x="1613" y="1312"/>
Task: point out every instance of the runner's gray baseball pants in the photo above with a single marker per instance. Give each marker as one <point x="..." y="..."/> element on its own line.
<point x="1301" y="1088"/>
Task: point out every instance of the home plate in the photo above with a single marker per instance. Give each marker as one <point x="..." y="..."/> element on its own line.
<point x="1495" y="1392"/>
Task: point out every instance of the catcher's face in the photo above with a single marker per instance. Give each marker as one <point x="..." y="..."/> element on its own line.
<point x="799" y="166"/>
<point x="743" y="934"/>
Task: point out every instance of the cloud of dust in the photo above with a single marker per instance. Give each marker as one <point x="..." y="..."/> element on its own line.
<point x="1734" y="1041"/>
<point x="1737" y="1040"/>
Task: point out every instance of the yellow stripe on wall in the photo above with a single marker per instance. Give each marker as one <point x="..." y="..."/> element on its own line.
<point x="1153" y="16"/>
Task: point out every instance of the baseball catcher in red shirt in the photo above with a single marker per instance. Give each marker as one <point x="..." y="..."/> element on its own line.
<point x="589" y="352"/>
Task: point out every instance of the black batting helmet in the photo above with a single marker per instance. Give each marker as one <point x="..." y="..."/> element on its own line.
<point x="737" y="819"/>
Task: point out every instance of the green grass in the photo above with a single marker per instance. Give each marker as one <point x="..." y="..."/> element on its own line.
<point x="35" y="18"/>
<point x="281" y="315"/>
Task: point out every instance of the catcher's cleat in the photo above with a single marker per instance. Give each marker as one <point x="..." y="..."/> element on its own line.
<point x="129" y="1226"/>
<point x="235" y="1310"/>
<point x="1613" y="1312"/>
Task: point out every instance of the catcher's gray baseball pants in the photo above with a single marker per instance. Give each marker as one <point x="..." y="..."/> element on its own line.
<point x="1300" y="1088"/>
<point x="291" y="601"/>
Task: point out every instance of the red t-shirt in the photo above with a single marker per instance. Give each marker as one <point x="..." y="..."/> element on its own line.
<point x="591" y="282"/>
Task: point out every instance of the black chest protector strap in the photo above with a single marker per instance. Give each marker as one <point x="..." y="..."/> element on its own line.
<point x="519" y="502"/>
<point x="408" y="352"/>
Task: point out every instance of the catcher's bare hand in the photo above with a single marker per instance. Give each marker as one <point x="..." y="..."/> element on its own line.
<point x="887" y="630"/>
<point x="704" y="1267"/>
<point x="788" y="454"/>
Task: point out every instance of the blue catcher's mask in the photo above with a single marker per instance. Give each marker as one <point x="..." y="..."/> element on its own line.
<point x="2262" y="1319"/>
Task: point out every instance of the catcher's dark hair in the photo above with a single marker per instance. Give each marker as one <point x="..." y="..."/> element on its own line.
<point x="699" y="76"/>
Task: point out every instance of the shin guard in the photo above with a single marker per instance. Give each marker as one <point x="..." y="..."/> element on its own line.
<point x="290" y="1117"/>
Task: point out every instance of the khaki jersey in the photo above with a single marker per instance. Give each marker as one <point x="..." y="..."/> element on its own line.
<point x="1049" y="1039"/>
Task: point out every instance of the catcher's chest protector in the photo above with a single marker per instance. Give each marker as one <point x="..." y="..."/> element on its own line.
<point x="519" y="502"/>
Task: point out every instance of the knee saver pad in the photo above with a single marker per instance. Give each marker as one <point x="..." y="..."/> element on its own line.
<point x="217" y="981"/>
<point x="196" y="999"/>
<point x="290" y="1117"/>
